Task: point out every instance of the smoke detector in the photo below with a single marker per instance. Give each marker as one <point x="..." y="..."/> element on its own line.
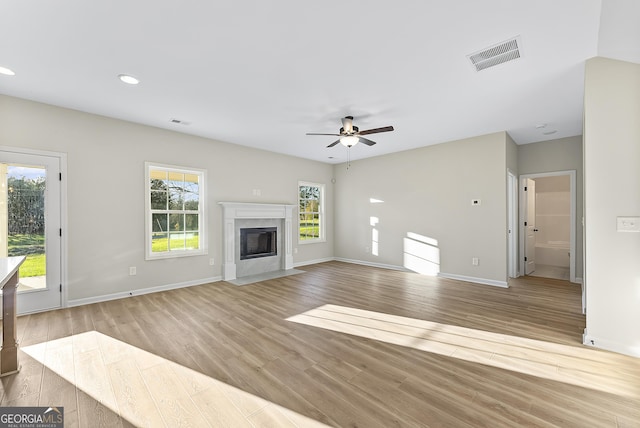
<point x="500" y="53"/>
<point x="179" y="121"/>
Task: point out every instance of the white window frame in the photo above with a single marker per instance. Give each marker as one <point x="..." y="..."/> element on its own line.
<point x="321" y="213"/>
<point x="202" y="212"/>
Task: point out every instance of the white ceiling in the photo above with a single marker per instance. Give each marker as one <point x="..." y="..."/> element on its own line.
<point x="262" y="74"/>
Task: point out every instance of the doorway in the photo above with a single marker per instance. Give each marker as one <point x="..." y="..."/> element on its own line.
<point x="30" y="225"/>
<point x="547" y="225"/>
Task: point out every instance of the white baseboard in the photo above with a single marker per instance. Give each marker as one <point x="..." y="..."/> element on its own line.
<point x="372" y="264"/>
<point x="166" y="287"/>
<point x="608" y="345"/>
<point x="484" y="281"/>
<point x="313" y="262"/>
<point x="123" y="294"/>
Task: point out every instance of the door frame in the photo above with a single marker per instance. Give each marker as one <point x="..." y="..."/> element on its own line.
<point x="529" y="225"/>
<point x="572" y="217"/>
<point x="512" y="224"/>
<point x="62" y="158"/>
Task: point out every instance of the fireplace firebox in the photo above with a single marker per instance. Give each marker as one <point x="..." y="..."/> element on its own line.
<point x="258" y="242"/>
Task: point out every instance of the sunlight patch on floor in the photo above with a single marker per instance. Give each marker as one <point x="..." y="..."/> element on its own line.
<point x="578" y="366"/>
<point x="148" y="390"/>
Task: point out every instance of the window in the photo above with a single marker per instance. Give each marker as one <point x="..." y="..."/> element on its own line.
<point x="175" y="212"/>
<point x="310" y="212"/>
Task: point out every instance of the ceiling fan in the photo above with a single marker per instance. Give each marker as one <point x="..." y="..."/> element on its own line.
<point x="350" y="135"/>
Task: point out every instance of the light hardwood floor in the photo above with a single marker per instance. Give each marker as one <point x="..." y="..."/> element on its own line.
<point x="338" y="345"/>
<point x="548" y="271"/>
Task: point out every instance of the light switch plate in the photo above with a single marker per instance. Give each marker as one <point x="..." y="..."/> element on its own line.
<point x="628" y="224"/>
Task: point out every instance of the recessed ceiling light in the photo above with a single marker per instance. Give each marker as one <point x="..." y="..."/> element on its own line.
<point x="541" y="126"/>
<point x="130" y="80"/>
<point x="7" y="71"/>
<point x="549" y="132"/>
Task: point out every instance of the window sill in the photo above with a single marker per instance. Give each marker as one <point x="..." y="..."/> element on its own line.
<point x="311" y="241"/>
<point x="176" y="254"/>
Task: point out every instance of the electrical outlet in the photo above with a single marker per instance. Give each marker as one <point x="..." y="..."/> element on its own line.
<point x="475" y="261"/>
<point x="211" y="262"/>
<point x="628" y="224"/>
<point x="476" y="202"/>
<point x="132" y="270"/>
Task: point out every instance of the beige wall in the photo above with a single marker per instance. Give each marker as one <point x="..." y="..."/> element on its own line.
<point x="612" y="189"/>
<point x="105" y="183"/>
<point x="564" y="154"/>
<point x="428" y="191"/>
<point x="512" y="155"/>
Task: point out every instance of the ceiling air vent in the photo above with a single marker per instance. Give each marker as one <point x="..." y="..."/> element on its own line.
<point x="496" y="54"/>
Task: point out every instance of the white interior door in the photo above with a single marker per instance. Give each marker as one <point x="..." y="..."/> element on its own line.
<point x="530" y="226"/>
<point x="30" y="225"/>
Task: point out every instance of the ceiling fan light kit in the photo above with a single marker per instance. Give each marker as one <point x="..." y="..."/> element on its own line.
<point x="351" y="135"/>
<point x="349" y="141"/>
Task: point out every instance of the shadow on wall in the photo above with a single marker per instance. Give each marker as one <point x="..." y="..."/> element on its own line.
<point x="421" y="254"/>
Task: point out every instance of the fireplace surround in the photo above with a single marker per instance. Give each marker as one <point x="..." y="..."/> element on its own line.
<point x="242" y="215"/>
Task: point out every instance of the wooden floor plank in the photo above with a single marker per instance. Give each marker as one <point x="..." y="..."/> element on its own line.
<point x="337" y="345"/>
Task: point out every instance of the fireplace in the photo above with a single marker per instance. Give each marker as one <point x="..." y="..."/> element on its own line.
<point x="258" y="242"/>
<point x="273" y="217"/>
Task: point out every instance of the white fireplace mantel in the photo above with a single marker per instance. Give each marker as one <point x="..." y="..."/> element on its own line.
<point x="233" y="211"/>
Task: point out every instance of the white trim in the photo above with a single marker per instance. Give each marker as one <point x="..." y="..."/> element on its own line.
<point x="321" y="213"/>
<point x="64" y="225"/>
<point x="512" y="224"/>
<point x="372" y="264"/>
<point x="123" y="294"/>
<point x="594" y="342"/>
<point x="21" y="150"/>
<point x="64" y="248"/>
<point x="492" y="282"/>
<point x="313" y="262"/>
<point x="495" y="283"/>
<point x="202" y="212"/>
<point x="247" y="210"/>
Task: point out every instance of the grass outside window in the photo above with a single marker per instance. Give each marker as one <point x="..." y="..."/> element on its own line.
<point x="309" y="229"/>
<point x="31" y="246"/>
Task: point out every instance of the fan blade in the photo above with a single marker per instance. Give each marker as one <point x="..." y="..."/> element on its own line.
<point x="376" y="130"/>
<point x="333" y="144"/>
<point x="333" y="135"/>
<point x="366" y="141"/>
